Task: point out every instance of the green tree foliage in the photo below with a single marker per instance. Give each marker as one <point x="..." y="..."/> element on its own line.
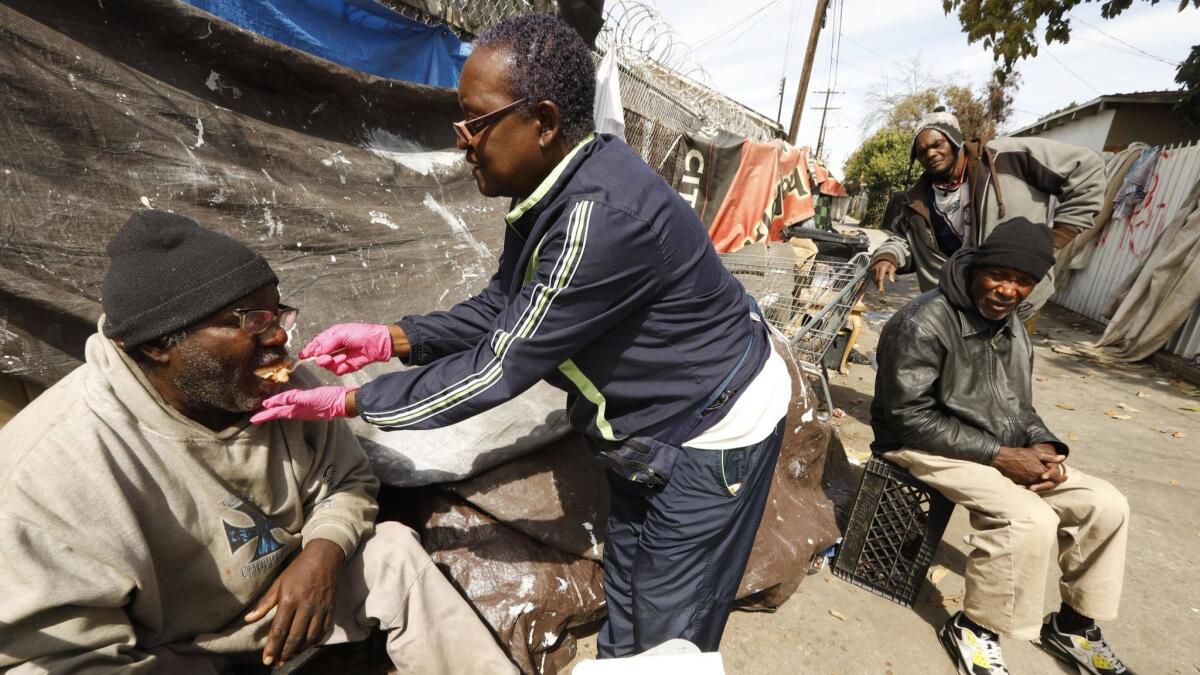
<point x="1189" y="77"/>
<point x="980" y="113"/>
<point x="1009" y="28"/>
<point x="879" y="166"/>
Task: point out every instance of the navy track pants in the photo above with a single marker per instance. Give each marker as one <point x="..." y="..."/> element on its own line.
<point x="674" y="555"/>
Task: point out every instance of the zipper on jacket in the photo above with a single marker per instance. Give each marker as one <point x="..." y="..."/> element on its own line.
<point x="1011" y="423"/>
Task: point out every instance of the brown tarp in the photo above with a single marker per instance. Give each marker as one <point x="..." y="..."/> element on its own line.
<point x="550" y="507"/>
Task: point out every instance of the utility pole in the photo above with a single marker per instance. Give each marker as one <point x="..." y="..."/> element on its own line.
<point x="824" y="111"/>
<point x="779" y="113"/>
<point x="809" y="55"/>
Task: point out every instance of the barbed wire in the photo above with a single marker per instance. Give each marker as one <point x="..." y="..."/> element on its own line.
<point x="468" y="18"/>
<point x="654" y="57"/>
<point x="665" y="91"/>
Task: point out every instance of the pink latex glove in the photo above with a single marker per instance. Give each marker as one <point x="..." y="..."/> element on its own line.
<point x="355" y="344"/>
<point x="321" y="403"/>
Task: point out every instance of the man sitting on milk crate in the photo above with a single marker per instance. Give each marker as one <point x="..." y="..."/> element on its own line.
<point x="954" y="406"/>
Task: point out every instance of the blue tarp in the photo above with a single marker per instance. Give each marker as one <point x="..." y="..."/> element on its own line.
<point x="359" y="34"/>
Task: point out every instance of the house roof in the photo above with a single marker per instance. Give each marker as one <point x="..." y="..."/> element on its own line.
<point x="1097" y="105"/>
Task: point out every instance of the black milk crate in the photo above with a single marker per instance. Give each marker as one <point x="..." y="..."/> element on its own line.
<point x="894" y="529"/>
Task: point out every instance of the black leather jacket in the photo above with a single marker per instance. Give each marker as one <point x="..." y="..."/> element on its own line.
<point x="950" y="381"/>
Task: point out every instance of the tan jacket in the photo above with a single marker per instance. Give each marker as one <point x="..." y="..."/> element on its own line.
<point x="125" y="525"/>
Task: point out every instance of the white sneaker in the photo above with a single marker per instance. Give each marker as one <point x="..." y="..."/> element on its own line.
<point x="973" y="653"/>
<point x="1089" y="653"/>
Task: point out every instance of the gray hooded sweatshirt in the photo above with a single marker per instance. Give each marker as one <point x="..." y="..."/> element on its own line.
<point x="125" y="525"/>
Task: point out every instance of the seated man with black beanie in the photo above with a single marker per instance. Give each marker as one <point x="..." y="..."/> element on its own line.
<point x="147" y="526"/>
<point x="954" y="405"/>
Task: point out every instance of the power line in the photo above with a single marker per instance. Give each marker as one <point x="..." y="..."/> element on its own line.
<point x="1051" y="55"/>
<point x="733" y="40"/>
<point x="1119" y="50"/>
<point x="841" y="21"/>
<point x="1133" y="47"/>
<point x="736" y="24"/>
<point x="877" y="73"/>
<point x="866" y="48"/>
<point x="787" y="52"/>
<point x="787" y="49"/>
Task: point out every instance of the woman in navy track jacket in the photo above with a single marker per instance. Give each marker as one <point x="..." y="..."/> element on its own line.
<point x="608" y="288"/>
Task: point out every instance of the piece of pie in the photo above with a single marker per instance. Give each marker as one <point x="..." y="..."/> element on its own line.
<point x="275" y="372"/>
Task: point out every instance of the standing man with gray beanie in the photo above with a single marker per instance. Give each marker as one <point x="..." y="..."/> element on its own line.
<point x="954" y="405"/>
<point x="147" y="526"/>
<point x="968" y="186"/>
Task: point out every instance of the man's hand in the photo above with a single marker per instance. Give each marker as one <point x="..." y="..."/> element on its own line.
<point x="1029" y="466"/>
<point x="302" y="596"/>
<point x="883" y="268"/>
<point x="1056" y="470"/>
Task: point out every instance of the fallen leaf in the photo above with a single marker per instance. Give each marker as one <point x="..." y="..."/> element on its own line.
<point x="1072" y="436"/>
<point x="1117" y="416"/>
<point x="1173" y="482"/>
<point x="1178" y="434"/>
<point x="1190" y="408"/>
<point x="1064" y="406"/>
<point x="945" y="600"/>
<point x="837" y="615"/>
<point x="1127" y="407"/>
<point x="1142" y="394"/>
<point x="937" y="572"/>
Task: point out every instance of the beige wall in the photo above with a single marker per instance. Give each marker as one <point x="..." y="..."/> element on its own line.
<point x="1150" y="124"/>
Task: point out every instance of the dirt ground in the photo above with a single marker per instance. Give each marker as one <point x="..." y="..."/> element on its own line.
<point x="1153" y="457"/>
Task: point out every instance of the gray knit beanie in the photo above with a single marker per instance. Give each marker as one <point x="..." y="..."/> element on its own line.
<point x="166" y="272"/>
<point x="940" y="120"/>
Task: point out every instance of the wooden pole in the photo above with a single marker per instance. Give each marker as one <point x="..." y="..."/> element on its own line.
<point x="809" y="55"/>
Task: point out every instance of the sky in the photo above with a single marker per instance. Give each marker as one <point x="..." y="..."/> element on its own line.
<point x="881" y="38"/>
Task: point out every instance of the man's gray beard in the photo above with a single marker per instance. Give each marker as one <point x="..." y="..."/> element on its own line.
<point x="205" y="381"/>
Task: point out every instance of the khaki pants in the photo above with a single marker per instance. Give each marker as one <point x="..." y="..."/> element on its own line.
<point x="1014" y="532"/>
<point x="390" y="583"/>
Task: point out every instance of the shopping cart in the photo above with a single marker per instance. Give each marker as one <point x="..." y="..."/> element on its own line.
<point x="805" y="297"/>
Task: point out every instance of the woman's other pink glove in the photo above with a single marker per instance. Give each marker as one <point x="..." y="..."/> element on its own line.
<point x="347" y="347"/>
<point x="321" y="403"/>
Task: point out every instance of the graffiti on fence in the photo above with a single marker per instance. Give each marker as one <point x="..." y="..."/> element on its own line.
<point x="1149" y="216"/>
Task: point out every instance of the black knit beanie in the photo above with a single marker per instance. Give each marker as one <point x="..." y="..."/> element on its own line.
<point x="166" y="272"/>
<point x="1020" y="245"/>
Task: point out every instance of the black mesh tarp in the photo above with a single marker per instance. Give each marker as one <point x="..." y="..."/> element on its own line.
<point x="334" y="176"/>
